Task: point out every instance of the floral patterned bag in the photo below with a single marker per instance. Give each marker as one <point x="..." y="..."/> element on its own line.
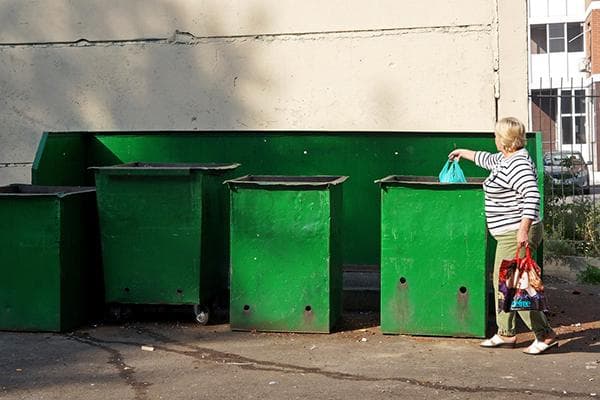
<point x="520" y="284"/>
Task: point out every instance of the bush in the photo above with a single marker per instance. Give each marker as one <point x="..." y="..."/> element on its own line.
<point x="571" y="224"/>
<point x="591" y="275"/>
<point x="559" y="247"/>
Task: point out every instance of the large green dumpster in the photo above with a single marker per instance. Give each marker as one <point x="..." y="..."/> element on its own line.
<point x="365" y="156"/>
<point x="164" y="232"/>
<point x="45" y="267"/>
<point x="433" y="257"/>
<point x="286" y="266"/>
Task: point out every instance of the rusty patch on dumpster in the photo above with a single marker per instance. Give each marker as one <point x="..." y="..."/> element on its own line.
<point x="402" y="283"/>
<point x="462" y="304"/>
<point x="309" y="315"/>
<point x="402" y="309"/>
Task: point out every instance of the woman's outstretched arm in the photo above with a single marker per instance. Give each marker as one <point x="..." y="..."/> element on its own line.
<point x="462" y="153"/>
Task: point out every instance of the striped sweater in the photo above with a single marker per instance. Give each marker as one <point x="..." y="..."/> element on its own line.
<point x="511" y="190"/>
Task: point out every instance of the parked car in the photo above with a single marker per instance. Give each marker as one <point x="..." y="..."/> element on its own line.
<point x="568" y="169"/>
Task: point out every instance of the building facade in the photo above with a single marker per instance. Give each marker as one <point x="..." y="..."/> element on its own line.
<point x="444" y="65"/>
<point x="562" y="75"/>
<point x="592" y="63"/>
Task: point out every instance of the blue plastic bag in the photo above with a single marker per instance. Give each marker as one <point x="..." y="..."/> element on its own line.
<point x="452" y="173"/>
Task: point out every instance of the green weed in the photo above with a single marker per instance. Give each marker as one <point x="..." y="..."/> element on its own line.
<point x="591" y="275"/>
<point x="571" y="225"/>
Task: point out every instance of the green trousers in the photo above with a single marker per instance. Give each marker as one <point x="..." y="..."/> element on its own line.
<point x="506" y="321"/>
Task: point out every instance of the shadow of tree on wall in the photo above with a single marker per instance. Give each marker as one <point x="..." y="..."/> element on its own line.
<point x="173" y="82"/>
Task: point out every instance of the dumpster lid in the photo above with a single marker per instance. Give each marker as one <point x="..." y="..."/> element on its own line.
<point x="288" y="180"/>
<point x="138" y="165"/>
<point x="26" y="190"/>
<point x="404" y="180"/>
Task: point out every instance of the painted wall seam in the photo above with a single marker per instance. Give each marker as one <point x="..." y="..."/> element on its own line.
<point x="187" y="38"/>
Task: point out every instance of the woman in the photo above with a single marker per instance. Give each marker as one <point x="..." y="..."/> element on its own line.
<point x="512" y="208"/>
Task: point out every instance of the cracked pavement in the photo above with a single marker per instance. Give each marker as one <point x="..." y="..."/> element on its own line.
<point x="188" y="361"/>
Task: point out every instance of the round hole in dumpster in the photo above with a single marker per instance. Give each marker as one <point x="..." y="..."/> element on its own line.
<point x="179" y="291"/>
<point x="246" y="307"/>
<point x="126" y="290"/>
<point x="403" y="280"/>
<point x="308" y="308"/>
<point x="462" y="289"/>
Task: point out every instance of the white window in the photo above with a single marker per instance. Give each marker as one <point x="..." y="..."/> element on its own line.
<point x="572" y="109"/>
<point x="556" y="38"/>
<point x="574" y="36"/>
<point x="539" y="39"/>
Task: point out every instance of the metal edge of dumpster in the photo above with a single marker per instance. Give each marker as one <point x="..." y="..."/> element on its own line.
<point x="75" y="297"/>
<point x="431" y="183"/>
<point x="285" y="183"/>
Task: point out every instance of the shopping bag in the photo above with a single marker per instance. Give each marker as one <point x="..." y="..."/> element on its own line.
<point x="452" y="173"/>
<point x="520" y="284"/>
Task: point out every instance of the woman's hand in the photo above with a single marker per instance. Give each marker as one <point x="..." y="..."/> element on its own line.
<point x="455" y="154"/>
<point x="523" y="232"/>
<point x="461" y="153"/>
<point x="522" y="236"/>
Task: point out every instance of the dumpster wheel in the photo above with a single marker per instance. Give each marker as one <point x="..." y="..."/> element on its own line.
<point x="201" y="314"/>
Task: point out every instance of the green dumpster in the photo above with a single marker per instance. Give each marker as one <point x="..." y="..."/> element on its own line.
<point x="46" y="271"/>
<point x="286" y="272"/>
<point x="433" y="257"/>
<point x="164" y="233"/>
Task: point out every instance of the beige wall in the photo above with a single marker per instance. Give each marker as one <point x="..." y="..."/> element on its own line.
<point x="265" y="64"/>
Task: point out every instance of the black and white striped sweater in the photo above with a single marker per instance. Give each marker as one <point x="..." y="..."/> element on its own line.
<point x="511" y="190"/>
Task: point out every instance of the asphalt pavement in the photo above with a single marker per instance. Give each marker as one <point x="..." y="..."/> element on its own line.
<point x="159" y="357"/>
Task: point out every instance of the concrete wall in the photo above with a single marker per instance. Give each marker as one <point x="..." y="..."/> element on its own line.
<point x="265" y="64"/>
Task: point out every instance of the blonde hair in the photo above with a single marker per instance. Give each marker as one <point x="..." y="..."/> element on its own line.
<point x="511" y="133"/>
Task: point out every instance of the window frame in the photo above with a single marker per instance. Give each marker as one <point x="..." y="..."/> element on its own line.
<point x="567" y="44"/>
<point x="557" y="39"/>
<point x="572" y="115"/>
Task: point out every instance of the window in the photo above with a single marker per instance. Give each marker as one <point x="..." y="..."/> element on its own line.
<point x="556" y="38"/>
<point x="567" y="130"/>
<point x="572" y="108"/>
<point x="538" y="39"/>
<point x="546" y="101"/>
<point x="556" y="35"/>
<point x="574" y="37"/>
<point x="580" y="129"/>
